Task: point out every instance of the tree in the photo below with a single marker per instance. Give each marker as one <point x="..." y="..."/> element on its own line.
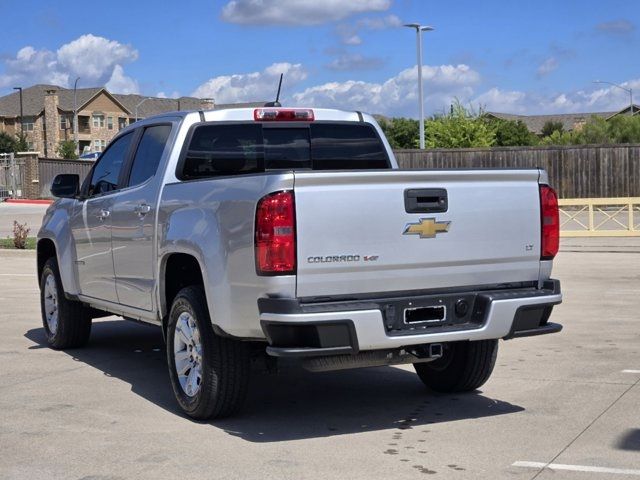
<point x="21" y="142"/>
<point x="67" y="149"/>
<point x="596" y="131"/>
<point x="511" y="133"/>
<point x="551" y="126"/>
<point x="401" y="132"/>
<point x="460" y="129"/>
<point x="7" y="143"/>
<point x="561" y="138"/>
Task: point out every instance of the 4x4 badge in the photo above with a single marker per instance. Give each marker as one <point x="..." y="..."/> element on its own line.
<point x="426" y="228"/>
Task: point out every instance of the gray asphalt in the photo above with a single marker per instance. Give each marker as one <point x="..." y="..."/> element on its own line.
<point x="23" y="213"/>
<point x="107" y="411"/>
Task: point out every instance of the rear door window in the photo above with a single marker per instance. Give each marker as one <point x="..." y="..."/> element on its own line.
<point x="149" y="153"/>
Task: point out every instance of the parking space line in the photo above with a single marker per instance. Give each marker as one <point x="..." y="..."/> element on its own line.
<point x="630" y="371"/>
<point x="577" y="468"/>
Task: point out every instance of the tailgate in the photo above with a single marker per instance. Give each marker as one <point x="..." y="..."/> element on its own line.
<point x="351" y="230"/>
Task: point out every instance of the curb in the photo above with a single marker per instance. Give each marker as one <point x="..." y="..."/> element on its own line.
<point x="28" y="202"/>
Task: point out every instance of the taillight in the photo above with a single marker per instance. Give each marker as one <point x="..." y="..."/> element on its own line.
<point x="283" y="115"/>
<point x="275" y="241"/>
<point x="550" y="220"/>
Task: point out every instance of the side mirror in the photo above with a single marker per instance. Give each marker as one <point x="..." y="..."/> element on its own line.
<point x="66" y="185"/>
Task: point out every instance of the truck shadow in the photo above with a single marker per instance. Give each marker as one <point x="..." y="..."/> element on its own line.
<point x="291" y="404"/>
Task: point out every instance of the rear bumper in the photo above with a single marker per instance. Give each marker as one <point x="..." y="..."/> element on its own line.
<point x="298" y="329"/>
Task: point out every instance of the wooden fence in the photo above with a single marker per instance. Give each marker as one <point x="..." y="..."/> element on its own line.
<point x="48" y="168"/>
<point x="592" y="171"/>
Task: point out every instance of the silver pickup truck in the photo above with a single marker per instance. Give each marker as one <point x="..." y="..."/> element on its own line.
<point x="276" y="232"/>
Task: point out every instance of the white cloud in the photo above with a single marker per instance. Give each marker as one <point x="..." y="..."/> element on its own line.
<point x="297" y="12"/>
<point x="379" y="23"/>
<point x="252" y="87"/>
<point x="548" y="66"/>
<point x="350" y="33"/>
<point x="96" y="60"/>
<point x="121" y="83"/>
<point x="174" y="94"/>
<point x="354" y="61"/>
<point x="608" y="99"/>
<point x="397" y="95"/>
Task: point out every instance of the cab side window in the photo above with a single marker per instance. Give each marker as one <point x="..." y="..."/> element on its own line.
<point x="149" y="153"/>
<point x="104" y="177"/>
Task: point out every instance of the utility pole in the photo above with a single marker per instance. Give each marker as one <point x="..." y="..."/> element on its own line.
<point x="628" y="90"/>
<point x="419" y="29"/>
<point x="75" y="116"/>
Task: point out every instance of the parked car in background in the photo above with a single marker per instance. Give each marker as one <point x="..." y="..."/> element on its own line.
<point x="90" y="156"/>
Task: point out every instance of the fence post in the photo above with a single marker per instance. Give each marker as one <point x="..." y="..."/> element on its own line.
<point x="12" y="174"/>
<point x="31" y="183"/>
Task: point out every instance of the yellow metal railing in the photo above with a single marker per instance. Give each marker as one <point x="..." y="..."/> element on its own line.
<point x="599" y="217"/>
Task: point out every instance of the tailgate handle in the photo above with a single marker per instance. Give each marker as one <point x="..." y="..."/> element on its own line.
<point x="425" y="200"/>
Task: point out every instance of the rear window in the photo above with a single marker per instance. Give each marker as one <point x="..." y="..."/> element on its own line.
<point x="240" y="148"/>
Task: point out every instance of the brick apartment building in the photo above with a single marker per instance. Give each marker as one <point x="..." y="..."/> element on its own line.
<point x="48" y="115"/>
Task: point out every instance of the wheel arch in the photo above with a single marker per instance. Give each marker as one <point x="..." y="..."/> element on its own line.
<point x="177" y="270"/>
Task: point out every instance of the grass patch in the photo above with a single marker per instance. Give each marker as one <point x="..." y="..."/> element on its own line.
<point x="7" y="243"/>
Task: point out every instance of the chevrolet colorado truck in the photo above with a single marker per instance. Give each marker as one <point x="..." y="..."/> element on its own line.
<point x="292" y="233"/>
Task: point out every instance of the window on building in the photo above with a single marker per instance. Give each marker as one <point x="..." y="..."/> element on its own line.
<point x="110" y="123"/>
<point x="122" y="122"/>
<point x="98" y="121"/>
<point x="31" y="146"/>
<point x="28" y="124"/>
<point x="99" y="145"/>
<point x="63" y="122"/>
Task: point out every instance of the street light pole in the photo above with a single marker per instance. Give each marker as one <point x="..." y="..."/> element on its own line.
<point x="140" y="103"/>
<point x="75" y="115"/>
<point x="628" y="90"/>
<point x="21" y="111"/>
<point x="419" y="29"/>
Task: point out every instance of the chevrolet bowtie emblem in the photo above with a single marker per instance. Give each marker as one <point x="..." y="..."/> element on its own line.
<point x="426" y="228"/>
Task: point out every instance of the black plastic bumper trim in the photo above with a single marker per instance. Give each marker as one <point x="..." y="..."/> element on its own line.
<point x="543" y="330"/>
<point x="308" y="352"/>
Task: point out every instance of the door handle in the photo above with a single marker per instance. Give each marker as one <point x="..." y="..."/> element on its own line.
<point x="103" y="214"/>
<point x="142" y="209"/>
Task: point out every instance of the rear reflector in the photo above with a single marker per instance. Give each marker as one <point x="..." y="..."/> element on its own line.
<point x="550" y="220"/>
<point x="275" y="241"/>
<point x="283" y="115"/>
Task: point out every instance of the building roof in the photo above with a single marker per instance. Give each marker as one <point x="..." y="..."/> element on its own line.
<point x="535" y="123"/>
<point x="33" y="101"/>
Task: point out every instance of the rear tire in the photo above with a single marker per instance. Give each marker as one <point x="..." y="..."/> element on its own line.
<point x="67" y="323"/>
<point x="209" y="374"/>
<point x="464" y="367"/>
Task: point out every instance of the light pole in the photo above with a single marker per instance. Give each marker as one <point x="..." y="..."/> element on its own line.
<point x="419" y="29"/>
<point x="75" y="115"/>
<point x="140" y="103"/>
<point x="628" y="90"/>
<point x="21" y="111"/>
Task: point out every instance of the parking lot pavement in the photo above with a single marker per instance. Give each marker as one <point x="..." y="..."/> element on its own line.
<point x="571" y="400"/>
<point x="23" y="213"/>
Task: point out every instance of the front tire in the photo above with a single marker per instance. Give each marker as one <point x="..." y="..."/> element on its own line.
<point x="464" y="367"/>
<point x="66" y="322"/>
<point x="209" y="374"/>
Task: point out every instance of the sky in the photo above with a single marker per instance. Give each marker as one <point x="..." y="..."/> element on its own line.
<point x="504" y="56"/>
